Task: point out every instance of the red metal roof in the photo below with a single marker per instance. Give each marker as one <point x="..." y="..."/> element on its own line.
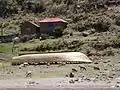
<point x="53" y="20"/>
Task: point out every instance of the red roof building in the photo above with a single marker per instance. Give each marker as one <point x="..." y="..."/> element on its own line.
<point x="49" y="25"/>
<point x="53" y="20"/>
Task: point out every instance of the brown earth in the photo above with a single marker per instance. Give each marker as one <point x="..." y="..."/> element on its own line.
<point x="102" y="74"/>
<point x="108" y="68"/>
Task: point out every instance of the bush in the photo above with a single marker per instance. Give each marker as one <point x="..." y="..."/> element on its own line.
<point x="100" y="45"/>
<point x="58" y="10"/>
<point x="7" y="8"/>
<point x="69" y="2"/>
<point x="34" y="6"/>
<point x="44" y="36"/>
<point x="58" y="32"/>
<point x="117" y="21"/>
<point x="24" y="38"/>
<point x="55" y="45"/>
<point x="101" y="26"/>
<point x="57" y="1"/>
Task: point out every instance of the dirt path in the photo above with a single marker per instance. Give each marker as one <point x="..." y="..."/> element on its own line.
<point x="46" y="83"/>
<point x="56" y="83"/>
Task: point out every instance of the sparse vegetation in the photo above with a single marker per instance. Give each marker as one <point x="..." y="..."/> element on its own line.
<point x="6" y="48"/>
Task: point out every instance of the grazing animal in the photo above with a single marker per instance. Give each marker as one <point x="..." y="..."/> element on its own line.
<point x="82" y="67"/>
<point x="15" y="41"/>
<point x="96" y="68"/>
<point x="74" y="70"/>
<point x="29" y="74"/>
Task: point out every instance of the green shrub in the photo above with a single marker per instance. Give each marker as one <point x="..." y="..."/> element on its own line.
<point x="57" y="10"/>
<point x="57" y="1"/>
<point x="58" y="32"/>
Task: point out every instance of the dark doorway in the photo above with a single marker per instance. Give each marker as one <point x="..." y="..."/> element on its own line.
<point x="38" y="32"/>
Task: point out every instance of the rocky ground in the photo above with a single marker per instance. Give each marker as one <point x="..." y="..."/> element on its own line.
<point x="102" y="73"/>
<point x="106" y="69"/>
<point x="102" y="47"/>
<point x="58" y="83"/>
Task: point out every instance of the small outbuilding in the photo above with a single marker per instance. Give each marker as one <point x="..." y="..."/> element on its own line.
<point x="49" y="25"/>
<point x="30" y="28"/>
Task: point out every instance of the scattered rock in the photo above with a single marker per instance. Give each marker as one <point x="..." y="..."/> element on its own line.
<point x="62" y="64"/>
<point x="117" y="85"/>
<point x="31" y="82"/>
<point x="82" y="67"/>
<point x="96" y="63"/>
<point x="25" y="64"/>
<point x="35" y="64"/>
<point x="118" y="82"/>
<point x="8" y="72"/>
<point x="85" y="33"/>
<point x="67" y="75"/>
<point x="109" y="61"/>
<point x="105" y="62"/>
<point x="104" y="74"/>
<point x="37" y="82"/>
<point x="108" y="82"/>
<point x="48" y="64"/>
<point x="21" y="65"/>
<point x="111" y="77"/>
<point x="113" y="74"/>
<point x="105" y="69"/>
<point x="77" y="79"/>
<point x="113" y="69"/>
<point x="71" y="81"/>
<point x="93" y="31"/>
<point x="100" y="79"/>
<point x="101" y="72"/>
<point x="97" y="75"/>
<point x="71" y="75"/>
<point x="96" y="68"/>
<point x="110" y="65"/>
<point x="87" y="79"/>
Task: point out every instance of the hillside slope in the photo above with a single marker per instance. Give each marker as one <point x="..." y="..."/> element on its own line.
<point x="94" y="25"/>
